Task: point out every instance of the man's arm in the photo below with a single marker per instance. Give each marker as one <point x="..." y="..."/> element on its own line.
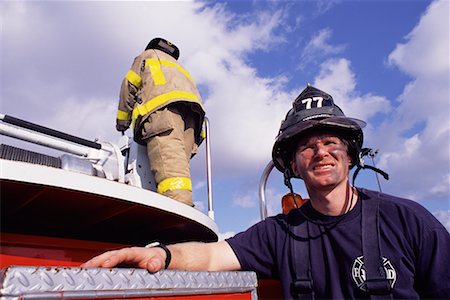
<point x="185" y="256"/>
<point x="432" y="278"/>
<point x="131" y="84"/>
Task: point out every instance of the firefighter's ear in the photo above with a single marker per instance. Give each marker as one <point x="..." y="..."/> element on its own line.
<point x="294" y="168"/>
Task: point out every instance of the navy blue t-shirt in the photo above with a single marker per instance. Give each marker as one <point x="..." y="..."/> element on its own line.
<point x="414" y="245"/>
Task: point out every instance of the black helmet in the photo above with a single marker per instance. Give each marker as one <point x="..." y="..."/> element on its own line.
<point x="165" y="46"/>
<point x="314" y="109"/>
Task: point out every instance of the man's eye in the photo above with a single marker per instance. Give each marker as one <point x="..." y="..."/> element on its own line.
<point x="331" y="142"/>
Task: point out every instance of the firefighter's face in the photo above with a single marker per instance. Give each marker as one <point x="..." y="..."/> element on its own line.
<point x="322" y="161"/>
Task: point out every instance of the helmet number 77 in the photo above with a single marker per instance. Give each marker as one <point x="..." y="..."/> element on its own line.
<point x="309" y="102"/>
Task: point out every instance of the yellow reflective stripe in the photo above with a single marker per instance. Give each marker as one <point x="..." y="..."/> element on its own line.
<point x="167" y="63"/>
<point x="155" y="63"/>
<point x="175" y="183"/>
<point x="134" y="79"/>
<point x="155" y="68"/>
<point x="123" y="115"/>
<point x="143" y="109"/>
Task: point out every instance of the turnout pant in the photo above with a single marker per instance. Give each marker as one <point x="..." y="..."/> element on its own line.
<point x="169" y="134"/>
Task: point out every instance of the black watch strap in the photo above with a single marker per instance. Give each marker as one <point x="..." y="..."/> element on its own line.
<point x="164" y="247"/>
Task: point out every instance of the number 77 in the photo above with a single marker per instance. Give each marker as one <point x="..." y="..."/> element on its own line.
<point x="309" y="101"/>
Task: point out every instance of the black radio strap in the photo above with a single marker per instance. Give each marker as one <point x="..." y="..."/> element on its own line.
<point x="302" y="285"/>
<point x="376" y="282"/>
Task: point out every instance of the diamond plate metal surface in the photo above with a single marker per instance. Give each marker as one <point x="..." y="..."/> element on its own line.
<point x="20" y="280"/>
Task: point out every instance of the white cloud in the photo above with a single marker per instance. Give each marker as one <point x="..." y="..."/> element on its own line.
<point x="426" y="51"/>
<point x="199" y="185"/>
<point x="273" y="202"/>
<point x="444" y="217"/>
<point x="200" y="206"/>
<point x="338" y="79"/>
<point x="244" y="115"/>
<point x="87" y="118"/>
<point x="442" y="187"/>
<point x="319" y="47"/>
<point x="416" y="138"/>
<point x="325" y="5"/>
<point x="225" y="235"/>
<point x="248" y="200"/>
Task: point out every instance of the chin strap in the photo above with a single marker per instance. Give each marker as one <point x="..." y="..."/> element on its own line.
<point x="287" y="181"/>
<point x="362" y="165"/>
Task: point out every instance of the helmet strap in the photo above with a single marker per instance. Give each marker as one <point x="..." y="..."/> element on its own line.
<point x="287" y="181"/>
<point x="381" y="172"/>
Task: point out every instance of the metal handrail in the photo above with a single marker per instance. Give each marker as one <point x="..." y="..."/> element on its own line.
<point x="208" y="170"/>
<point x="48" y="131"/>
<point x="47" y="137"/>
<point x="262" y="189"/>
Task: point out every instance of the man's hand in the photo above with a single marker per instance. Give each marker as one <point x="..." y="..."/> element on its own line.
<point x="122" y="127"/>
<point x="152" y="259"/>
<point x="193" y="256"/>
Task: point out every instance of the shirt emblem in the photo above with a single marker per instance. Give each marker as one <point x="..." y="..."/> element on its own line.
<point x="359" y="272"/>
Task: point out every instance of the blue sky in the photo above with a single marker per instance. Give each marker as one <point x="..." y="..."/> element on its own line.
<point x="386" y="62"/>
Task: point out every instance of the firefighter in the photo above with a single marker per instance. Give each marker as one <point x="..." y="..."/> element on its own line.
<point x="343" y="243"/>
<point x="160" y="99"/>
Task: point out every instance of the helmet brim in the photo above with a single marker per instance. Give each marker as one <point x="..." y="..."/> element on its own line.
<point x="340" y="122"/>
<point x="296" y="131"/>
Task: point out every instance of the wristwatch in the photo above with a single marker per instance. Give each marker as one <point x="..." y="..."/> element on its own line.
<point x="164" y="247"/>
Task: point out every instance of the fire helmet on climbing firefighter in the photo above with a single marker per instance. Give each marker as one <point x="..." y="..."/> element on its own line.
<point x="165" y="46"/>
<point x="314" y="109"/>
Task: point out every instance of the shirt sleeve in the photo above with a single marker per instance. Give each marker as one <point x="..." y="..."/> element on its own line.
<point x="433" y="268"/>
<point x="254" y="248"/>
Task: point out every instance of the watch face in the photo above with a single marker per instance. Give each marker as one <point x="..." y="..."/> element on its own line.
<point x="153" y="244"/>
